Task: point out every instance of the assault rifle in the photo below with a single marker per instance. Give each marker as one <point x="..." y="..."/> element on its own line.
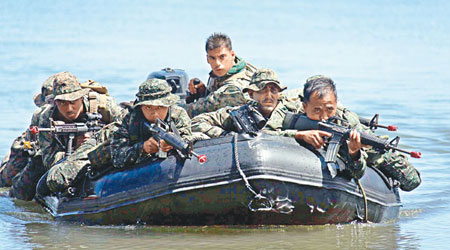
<point x="339" y="135"/>
<point x="247" y="119"/>
<point x="159" y="132"/>
<point x="70" y="129"/>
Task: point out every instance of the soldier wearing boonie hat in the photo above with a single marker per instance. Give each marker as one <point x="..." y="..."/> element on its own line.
<point x="264" y="89"/>
<point x="261" y="78"/>
<point x="131" y="143"/>
<point x="155" y="92"/>
<point x="72" y="103"/>
<point x="46" y="92"/>
<point x="66" y="87"/>
<point x="17" y="158"/>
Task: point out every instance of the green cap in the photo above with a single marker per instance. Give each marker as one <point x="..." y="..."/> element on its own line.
<point x="261" y="78"/>
<point x="67" y="88"/>
<point x="156" y="92"/>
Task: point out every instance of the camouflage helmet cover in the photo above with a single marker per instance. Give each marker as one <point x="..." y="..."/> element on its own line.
<point x="155" y="92"/>
<point x="261" y="78"/>
<point x="67" y="88"/>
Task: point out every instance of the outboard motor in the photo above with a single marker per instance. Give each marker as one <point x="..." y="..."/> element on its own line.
<point x="177" y="79"/>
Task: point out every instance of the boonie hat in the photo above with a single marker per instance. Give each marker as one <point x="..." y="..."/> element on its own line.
<point x="46" y="92"/>
<point x="156" y="92"/>
<point x="67" y="88"/>
<point x="261" y="78"/>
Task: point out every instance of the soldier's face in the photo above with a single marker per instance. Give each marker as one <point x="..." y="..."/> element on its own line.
<point x="319" y="109"/>
<point x="267" y="98"/>
<point x="152" y="113"/>
<point x="221" y="60"/>
<point x="70" y="110"/>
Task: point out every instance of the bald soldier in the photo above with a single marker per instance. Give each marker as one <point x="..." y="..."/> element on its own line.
<point x="71" y="104"/>
<point x="229" y="75"/>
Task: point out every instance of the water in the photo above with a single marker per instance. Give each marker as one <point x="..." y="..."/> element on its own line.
<point x="386" y="57"/>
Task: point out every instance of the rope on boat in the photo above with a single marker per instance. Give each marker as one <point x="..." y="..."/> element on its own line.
<point x="366" y="212"/>
<point x="266" y="203"/>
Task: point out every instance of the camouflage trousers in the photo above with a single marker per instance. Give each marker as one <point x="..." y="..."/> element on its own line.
<point x="65" y="173"/>
<point x="24" y="183"/>
<point x="72" y="169"/>
<point x="397" y="166"/>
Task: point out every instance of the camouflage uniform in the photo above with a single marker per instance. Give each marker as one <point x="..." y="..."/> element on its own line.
<point x="356" y="168"/>
<point x="65" y="87"/>
<point x="18" y="157"/>
<point x="215" y="124"/>
<point x="393" y="164"/>
<point x="224" y="91"/>
<point x="121" y="143"/>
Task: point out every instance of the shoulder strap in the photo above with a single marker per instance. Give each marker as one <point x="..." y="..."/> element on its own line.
<point x="93" y="102"/>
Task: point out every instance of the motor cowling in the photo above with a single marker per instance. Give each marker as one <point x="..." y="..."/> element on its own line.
<point x="176" y="78"/>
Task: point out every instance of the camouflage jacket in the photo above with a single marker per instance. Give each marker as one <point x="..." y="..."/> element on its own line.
<point x="18" y="156"/>
<point x="224" y="91"/>
<point x="50" y="149"/>
<point x="215" y="124"/>
<point x="127" y="142"/>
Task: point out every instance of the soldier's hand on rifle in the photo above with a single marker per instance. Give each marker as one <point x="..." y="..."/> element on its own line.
<point x="151" y="146"/>
<point x="164" y="146"/>
<point x="313" y="137"/>
<point x="354" y="144"/>
<point x="197" y="87"/>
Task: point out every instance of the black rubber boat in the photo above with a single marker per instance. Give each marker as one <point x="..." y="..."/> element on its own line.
<point x="280" y="182"/>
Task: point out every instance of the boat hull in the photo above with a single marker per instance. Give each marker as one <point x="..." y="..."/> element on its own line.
<point x="292" y="184"/>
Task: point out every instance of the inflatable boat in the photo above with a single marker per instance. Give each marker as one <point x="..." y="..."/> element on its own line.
<point x="246" y="180"/>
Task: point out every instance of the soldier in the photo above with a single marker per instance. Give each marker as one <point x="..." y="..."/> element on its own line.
<point x="392" y="164"/>
<point x="129" y="143"/>
<point x="264" y="89"/>
<point x="18" y="156"/>
<point x="320" y="103"/>
<point x="228" y="77"/>
<point x="71" y="104"/>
